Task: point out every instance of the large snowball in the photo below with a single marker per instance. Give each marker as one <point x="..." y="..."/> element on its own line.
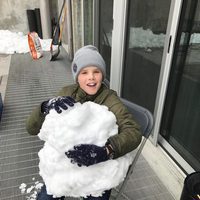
<point x="87" y="123"/>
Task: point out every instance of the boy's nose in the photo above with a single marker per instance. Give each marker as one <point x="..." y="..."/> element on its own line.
<point x="91" y="76"/>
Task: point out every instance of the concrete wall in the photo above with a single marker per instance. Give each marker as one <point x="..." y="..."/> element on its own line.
<point x="13" y="14"/>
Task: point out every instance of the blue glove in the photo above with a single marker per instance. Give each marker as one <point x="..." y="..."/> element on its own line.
<point x="87" y="154"/>
<point x="57" y="103"/>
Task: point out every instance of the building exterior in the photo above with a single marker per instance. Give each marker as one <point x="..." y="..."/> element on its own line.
<point x="151" y="48"/>
<point x="151" y="51"/>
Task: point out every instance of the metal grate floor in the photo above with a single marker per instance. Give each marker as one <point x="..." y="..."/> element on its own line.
<point x="29" y="83"/>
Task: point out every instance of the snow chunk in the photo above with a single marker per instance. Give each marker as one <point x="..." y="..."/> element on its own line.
<point x="87" y="123"/>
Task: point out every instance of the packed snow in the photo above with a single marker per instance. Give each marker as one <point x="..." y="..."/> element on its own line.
<point x="87" y="123"/>
<point x="17" y="42"/>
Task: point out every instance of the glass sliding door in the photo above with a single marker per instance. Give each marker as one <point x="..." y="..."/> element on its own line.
<point x="181" y="119"/>
<point x="146" y="29"/>
<point x="105" y="32"/>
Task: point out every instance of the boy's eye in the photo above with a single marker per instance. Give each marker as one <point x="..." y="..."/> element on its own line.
<point x="83" y="72"/>
<point x="97" y="71"/>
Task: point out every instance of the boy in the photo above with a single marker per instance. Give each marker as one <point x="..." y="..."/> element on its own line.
<point x="88" y="69"/>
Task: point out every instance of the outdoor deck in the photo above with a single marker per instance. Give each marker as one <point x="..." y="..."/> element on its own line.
<point x="29" y="83"/>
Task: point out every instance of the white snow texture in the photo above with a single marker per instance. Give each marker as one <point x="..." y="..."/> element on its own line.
<point x="87" y="123"/>
<point x="17" y="42"/>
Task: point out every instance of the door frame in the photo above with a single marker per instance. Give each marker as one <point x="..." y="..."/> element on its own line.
<point x="172" y="27"/>
<point x="176" y="156"/>
<point x="120" y="11"/>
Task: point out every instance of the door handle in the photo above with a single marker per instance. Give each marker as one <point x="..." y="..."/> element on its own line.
<point x="169" y="44"/>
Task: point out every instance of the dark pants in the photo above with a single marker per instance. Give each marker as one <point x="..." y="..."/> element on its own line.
<point x="42" y="195"/>
<point x="105" y="196"/>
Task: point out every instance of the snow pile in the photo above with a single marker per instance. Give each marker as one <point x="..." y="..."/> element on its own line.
<point x="87" y="123"/>
<point x="31" y="192"/>
<point x="13" y="42"/>
<point x="139" y="37"/>
<point x="195" y="38"/>
<point x="145" y="38"/>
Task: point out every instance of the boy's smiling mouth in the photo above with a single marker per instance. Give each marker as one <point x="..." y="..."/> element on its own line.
<point x="91" y="84"/>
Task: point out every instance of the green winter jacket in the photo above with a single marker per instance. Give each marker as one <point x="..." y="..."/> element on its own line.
<point x="128" y="137"/>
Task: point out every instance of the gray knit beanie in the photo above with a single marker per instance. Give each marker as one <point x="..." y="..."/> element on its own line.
<point x="87" y="56"/>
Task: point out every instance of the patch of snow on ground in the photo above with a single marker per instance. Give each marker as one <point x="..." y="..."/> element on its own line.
<point x="31" y="191"/>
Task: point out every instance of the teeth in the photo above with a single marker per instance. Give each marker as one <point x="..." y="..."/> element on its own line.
<point x="91" y="84"/>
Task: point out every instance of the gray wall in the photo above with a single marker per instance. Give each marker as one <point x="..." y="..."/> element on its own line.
<point x="13" y="14"/>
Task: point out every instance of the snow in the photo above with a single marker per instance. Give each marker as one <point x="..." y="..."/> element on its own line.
<point x="195" y="38"/>
<point x="145" y="38"/>
<point x="17" y="42"/>
<point x="87" y="123"/>
<point x="31" y="191"/>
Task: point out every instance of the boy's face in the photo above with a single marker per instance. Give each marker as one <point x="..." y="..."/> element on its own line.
<point x="90" y="79"/>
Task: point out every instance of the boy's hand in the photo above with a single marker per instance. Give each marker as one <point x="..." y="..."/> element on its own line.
<point x="57" y="103"/>
<point x="87" y="154"/>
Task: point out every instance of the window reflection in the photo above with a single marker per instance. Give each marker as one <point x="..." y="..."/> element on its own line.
<point x="147" y="23"/>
